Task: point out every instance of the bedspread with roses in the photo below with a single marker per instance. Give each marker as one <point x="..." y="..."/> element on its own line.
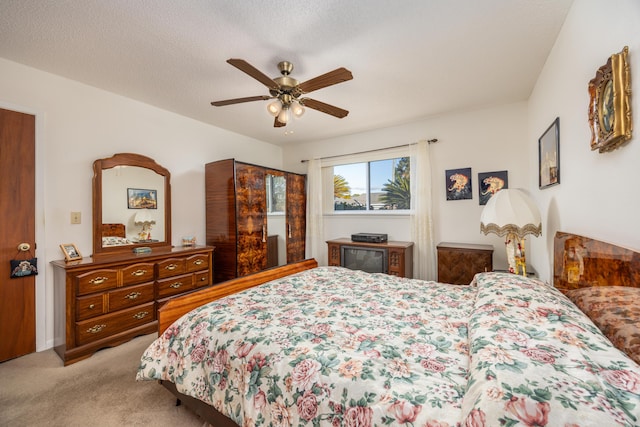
<point x="336" y="347"/>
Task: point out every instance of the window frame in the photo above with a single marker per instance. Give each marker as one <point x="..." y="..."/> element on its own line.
<point x="368" y="157"/>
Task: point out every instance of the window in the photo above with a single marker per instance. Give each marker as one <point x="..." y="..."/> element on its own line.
<point x="372" y="186"/>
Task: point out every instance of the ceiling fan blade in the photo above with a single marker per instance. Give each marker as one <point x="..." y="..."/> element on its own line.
<point x="336" y="76"/>
<point x="278" y="124"/>
<point x="325" y="108"/>
<point x="245" y="67"/>
<point x="240" y="100"/>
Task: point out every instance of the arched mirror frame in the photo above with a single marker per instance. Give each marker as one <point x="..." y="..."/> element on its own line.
<point x="127" y="159"/>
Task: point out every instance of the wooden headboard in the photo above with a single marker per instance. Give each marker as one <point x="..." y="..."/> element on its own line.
<point x="113" y="230"/>
<point x="580" y="262"/>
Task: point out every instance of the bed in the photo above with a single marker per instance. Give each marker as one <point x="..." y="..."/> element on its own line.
<point x="603" y="280"/>
<point x="114" y="235"/>
<point x="330" y="346"/>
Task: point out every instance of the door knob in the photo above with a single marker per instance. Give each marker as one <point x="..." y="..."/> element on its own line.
<point x="24" y="247"/>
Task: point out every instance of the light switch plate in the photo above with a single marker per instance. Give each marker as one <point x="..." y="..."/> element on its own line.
<point x="76" y="218"/>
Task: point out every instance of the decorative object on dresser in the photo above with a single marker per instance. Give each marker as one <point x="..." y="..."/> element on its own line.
<point x="610" y="117"/>
<point x="70" y="251"/>
<point x="107" y="301"/>
<point x="459" y="262"/>
<point x="395" y="258"/>
<point x="237" y="220"/>
<point x="513" y="214"/>
<point x="549" y="156"/>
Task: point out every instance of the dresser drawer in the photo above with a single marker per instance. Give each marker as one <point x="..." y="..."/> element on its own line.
<point x="130" y="296"/>
<point x="201" y="279"/>
<point x="197" y="262"/>
<point x="172" y="267"/>
<point x="90" y="306"/>
<point x="137" y="273"/>
<point x="175" y="285"/>
<point x="103" y="326"/>
<point x="96" y="280"/>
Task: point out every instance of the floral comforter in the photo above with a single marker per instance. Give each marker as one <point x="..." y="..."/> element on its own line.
<point x="331" y="346"/>
<point x="616" y="311"/>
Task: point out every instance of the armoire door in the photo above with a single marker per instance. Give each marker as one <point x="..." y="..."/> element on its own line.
<point x="296" y="216"/>
<point x="17" y="210"/>
<point x="251" y="219"/>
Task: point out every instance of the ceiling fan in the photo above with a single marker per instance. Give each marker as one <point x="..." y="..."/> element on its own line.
<point x="287" y="91"/>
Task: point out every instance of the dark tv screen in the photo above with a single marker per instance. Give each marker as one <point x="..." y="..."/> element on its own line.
<point x="371" y="260"/>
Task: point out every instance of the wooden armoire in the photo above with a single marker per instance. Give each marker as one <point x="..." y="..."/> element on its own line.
<point x="236" y="203"/>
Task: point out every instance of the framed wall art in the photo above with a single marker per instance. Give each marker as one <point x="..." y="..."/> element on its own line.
<point x="610" y="104"/>
<point x="489" y="183"/>
<point x="549" y="156"/>
<point x="71" y="252"/>
<point x="458" y="184"/>
<point x="138" y="198"/>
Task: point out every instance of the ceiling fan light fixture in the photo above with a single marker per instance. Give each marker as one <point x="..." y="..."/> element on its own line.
<point x="274" y="108"/>
<point x="297" y="110"/>
<point x="283" y="117"/>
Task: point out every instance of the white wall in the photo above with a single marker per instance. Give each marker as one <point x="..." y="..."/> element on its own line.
<point x="487" y="140"/>
<point x="598" y="193"/>
<point x="77" y="124"/>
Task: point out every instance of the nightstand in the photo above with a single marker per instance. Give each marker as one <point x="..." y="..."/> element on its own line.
<point x="459" y="262"/>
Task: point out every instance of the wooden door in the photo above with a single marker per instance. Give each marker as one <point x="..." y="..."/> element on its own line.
<point x="17" y="225"/>
<point x="251" y="218"/>
<point x="296" y="216"/>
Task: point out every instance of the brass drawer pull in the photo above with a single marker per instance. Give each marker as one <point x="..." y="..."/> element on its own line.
<point x="97" y="328"/>
<point x="92" y="306"/>
<point x="139" y="273"/>
<point x="98" y="280"/>
<point x="202" y="279"/>
<point x="141" y="315"/>
<point x="171" y="267"/>
<point x="175" y="285"/>
<point x="132" y="295"/>
<point x="198" y="262"/>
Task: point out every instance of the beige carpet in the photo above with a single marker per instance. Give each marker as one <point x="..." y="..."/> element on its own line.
<point x="37" y="390"/>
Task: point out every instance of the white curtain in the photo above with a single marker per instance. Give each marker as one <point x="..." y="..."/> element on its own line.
<point x="424" y="257"/>
<point x="316" y="246"/>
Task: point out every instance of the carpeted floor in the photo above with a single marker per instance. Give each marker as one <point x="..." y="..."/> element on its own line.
<point x="37" y="390"/>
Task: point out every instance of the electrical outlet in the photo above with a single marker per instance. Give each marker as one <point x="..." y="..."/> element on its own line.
<point x="76" y="218"/>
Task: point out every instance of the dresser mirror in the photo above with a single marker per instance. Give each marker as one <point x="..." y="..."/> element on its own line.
<point x="276" y="191"/>
<point x="131" y="204"/>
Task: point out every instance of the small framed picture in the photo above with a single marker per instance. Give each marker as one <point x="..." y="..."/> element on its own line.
<point x="138" y="198"/>
<point x="549" y="156"/>
<point x="71" y="252"/>
<point x="458" y="184"/>
<point x="489" y="183"/>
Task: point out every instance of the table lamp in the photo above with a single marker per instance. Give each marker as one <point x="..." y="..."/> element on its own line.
<point x="145" y="218"/>
<point x="511" y="213"/>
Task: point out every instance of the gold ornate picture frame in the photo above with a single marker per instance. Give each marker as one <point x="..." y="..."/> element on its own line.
<point x="610" y="104"/>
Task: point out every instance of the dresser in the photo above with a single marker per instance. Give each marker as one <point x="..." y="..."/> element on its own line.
<point x="459" y="262"/>
<point x="107" y="301"/>
<point x="398" y="256"/>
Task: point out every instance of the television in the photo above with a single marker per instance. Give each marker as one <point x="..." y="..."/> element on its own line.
<point x="371" y="260"/>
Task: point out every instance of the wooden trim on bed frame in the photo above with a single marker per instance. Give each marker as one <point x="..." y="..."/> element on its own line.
<point x="580" y="262"/>
<point x="177" y="307"/>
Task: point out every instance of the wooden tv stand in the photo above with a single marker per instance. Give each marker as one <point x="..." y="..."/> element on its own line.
<point x="399" y="260"/>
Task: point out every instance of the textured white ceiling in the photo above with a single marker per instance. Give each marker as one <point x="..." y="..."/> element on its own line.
<point x="410" y="59"/>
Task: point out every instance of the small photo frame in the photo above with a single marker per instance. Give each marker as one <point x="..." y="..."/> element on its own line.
<point x="138" y="198"/>
<point x="458" y="184"/>
<point x="489" y="183"/>
<point x="71" y="252"/>
<point x="549" y="156"/>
